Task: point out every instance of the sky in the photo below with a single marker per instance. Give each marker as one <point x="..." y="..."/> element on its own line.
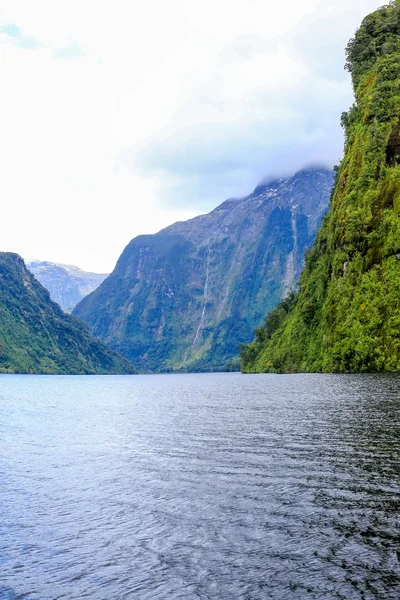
<point x="120" y="117"/>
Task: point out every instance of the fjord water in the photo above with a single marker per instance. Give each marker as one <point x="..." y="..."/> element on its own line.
<point x="199" y="486"/>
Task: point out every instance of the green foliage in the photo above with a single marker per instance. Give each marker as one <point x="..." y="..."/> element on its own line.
<point x="346" y="314"/>
<point x="376" y="37"/>
<point x="37" y="337"/>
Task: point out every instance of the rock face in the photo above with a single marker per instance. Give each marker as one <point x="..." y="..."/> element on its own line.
<point x="346" y="315"/>
<point x="67" y="284"/>
<point x="36" y="336"/>
<point x="186" y="297"/>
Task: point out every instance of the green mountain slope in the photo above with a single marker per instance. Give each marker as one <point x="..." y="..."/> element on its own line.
<point x="346" y="315"/>
<point x="186" y="297"/>
<point x="37" y="337"/>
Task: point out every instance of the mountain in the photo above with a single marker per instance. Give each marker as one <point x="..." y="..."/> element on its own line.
<point x="36" y="336"/>
<point x="184" y="298"/>
<point x="346" y="314"/>
<point x="67" y="284"/>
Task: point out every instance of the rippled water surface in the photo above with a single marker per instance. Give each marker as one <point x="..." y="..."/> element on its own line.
<point x="199" y="486"/>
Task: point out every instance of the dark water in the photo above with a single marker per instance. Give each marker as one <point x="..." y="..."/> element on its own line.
<point x="199" y="486"/>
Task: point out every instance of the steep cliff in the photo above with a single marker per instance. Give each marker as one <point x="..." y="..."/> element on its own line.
<point x="37" y="337"/>
<point x="183" y="299"/>
<point x="67" y="284"/>
<point x="346" y="315"/>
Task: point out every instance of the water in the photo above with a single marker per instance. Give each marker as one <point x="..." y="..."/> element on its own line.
<point x="218" y="486"/>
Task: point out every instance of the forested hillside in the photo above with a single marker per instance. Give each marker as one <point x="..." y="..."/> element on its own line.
<point x="346" y="314"/>
<point x="37" y="337"/>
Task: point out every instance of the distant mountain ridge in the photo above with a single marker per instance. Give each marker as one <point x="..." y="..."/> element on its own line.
<point x="67" y="284"/>
<point x="36" y="336"/>
<point x="186" y="297"/>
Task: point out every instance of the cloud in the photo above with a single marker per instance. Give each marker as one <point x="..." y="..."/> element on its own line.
<point x="13" y="34"/>
<point x="120" y="117"/>
<point x="11" y="29"/>
<point x="70" y="51"/>
<point x="263" y="104"/>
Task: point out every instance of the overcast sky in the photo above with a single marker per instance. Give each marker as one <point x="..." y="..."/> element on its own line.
<point x="119" y="117"/>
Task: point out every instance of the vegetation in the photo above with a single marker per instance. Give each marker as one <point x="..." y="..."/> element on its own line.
<point x="345" y="316"/>
<point x="37" y="337"/>
<point x="185" y="298"/>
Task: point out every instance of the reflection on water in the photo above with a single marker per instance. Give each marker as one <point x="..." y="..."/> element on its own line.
<point x="199" y="486"/>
